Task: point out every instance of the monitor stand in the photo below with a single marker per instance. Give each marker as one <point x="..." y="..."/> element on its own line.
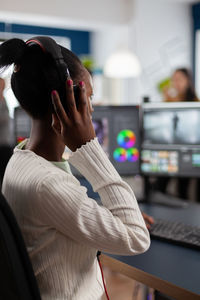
<point x="159" y="198"/>
<point x="156" y="197"/>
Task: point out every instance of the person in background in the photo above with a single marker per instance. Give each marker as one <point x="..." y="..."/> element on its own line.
<point x="5" y="134"/>
<point x="181" y="90"/>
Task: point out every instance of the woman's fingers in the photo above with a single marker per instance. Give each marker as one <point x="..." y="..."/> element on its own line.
<point x="59" y="110"/>
<point x="83" y="104"/>
<point x="148" y="220"/>
<point x="71" y="106"/>
<point x="70" y="99"/>
<point x="72" y="123"/>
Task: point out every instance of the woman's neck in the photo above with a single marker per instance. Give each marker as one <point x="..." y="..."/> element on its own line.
<point x="1" y="97"/>
<point x="44" y="141"/>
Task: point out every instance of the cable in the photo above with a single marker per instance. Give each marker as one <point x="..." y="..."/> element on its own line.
<point x="100" y="266"/>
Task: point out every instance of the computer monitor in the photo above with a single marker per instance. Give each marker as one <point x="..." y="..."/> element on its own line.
<point x="117" y="129"/>
<point x="171" y="139"/>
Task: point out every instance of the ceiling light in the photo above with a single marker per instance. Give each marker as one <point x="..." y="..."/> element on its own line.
<point x="122" y="64"/>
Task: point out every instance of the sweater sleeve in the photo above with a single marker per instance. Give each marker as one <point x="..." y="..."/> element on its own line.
<point x="116" y="227"/>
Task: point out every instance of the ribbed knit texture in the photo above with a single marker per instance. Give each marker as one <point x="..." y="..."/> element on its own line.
<point x="63" y="228"/>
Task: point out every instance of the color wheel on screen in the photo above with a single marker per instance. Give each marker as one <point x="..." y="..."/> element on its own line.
<point x="126" y="139"/>
<point x="132" y="154"/>
<point x="120" y="155"/>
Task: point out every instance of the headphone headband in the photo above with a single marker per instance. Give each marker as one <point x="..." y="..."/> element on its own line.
<point x="32" y="41"/>
<point x="48" y="45"/>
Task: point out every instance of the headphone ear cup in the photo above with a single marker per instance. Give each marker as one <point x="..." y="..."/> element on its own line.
<point x="53" y="50"/>
<point x="62" y="69"/>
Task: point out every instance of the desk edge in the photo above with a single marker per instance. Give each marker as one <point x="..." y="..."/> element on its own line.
<point x="149" y="280"/>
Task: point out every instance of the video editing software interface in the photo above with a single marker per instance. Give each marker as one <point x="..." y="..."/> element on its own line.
<point x="117" y="129"/>
<point x="171" y="139"/>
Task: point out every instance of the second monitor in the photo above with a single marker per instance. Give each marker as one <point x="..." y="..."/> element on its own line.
<point x="171" y="139"/>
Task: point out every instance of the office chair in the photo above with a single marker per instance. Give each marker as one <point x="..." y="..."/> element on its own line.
<point x="5" y="154"/>
<point x="17" y="278"/>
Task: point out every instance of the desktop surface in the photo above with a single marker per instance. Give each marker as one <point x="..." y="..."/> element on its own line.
<point x="175" y="264"/>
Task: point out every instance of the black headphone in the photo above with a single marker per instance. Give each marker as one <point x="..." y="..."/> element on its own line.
<point x="48" y="45"/>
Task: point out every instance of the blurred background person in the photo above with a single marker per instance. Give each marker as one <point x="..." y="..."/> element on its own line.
<point x="5" y="132"/>
<point x="181" y="87"/>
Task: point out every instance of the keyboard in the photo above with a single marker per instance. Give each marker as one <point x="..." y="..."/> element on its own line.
<point x="176" y="232"/>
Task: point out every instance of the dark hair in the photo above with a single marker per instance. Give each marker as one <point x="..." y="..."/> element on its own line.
<point x="35" y="74"/>
<point x="190" y="94"/>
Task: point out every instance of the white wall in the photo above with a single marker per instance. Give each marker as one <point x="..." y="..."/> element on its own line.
<point x="67" y="13"/>
<point x="163" y="32"/>
<point x="160" y="34"/>
<point x="75" y="14"/>
<point x="158" y="31"/>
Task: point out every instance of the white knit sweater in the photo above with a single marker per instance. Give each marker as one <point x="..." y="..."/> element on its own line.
<point x="63" y="228"/>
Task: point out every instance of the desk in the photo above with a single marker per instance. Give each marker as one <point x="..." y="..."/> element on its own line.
<point x="168" y="268"/>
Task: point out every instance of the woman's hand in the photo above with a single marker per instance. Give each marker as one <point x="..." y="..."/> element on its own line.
<point x="148" y="220"/>
<point x="75" y="126"/>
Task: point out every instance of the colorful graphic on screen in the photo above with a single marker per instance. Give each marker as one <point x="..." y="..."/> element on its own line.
<point x="132" y="154"/>
<point x="120" y="155"/>
<point x="160" y="161"/>
<point x="126" y="139"/>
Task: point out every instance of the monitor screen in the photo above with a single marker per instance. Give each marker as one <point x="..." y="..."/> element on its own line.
<point x="117" y="129"/>
<point x="171" y="139"/>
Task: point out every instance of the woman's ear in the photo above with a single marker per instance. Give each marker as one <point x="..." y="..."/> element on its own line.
<point x="55" y="124"/>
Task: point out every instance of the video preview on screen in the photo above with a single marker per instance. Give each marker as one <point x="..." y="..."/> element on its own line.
<point x="172" y="127"/>
<point x="160" y="161"/>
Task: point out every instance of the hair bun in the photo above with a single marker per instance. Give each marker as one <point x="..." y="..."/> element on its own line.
<point x="11" y="52"/>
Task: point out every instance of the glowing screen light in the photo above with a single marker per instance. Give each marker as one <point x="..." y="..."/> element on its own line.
<point x="126" y="152"/>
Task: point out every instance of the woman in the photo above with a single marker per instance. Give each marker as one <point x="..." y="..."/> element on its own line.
<point x="182" y="87"/>
<point x="62" y="227"/>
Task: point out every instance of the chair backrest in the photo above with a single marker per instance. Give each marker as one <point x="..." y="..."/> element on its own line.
<point x="17" y="278"/>
<point x="5" y="154"/>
